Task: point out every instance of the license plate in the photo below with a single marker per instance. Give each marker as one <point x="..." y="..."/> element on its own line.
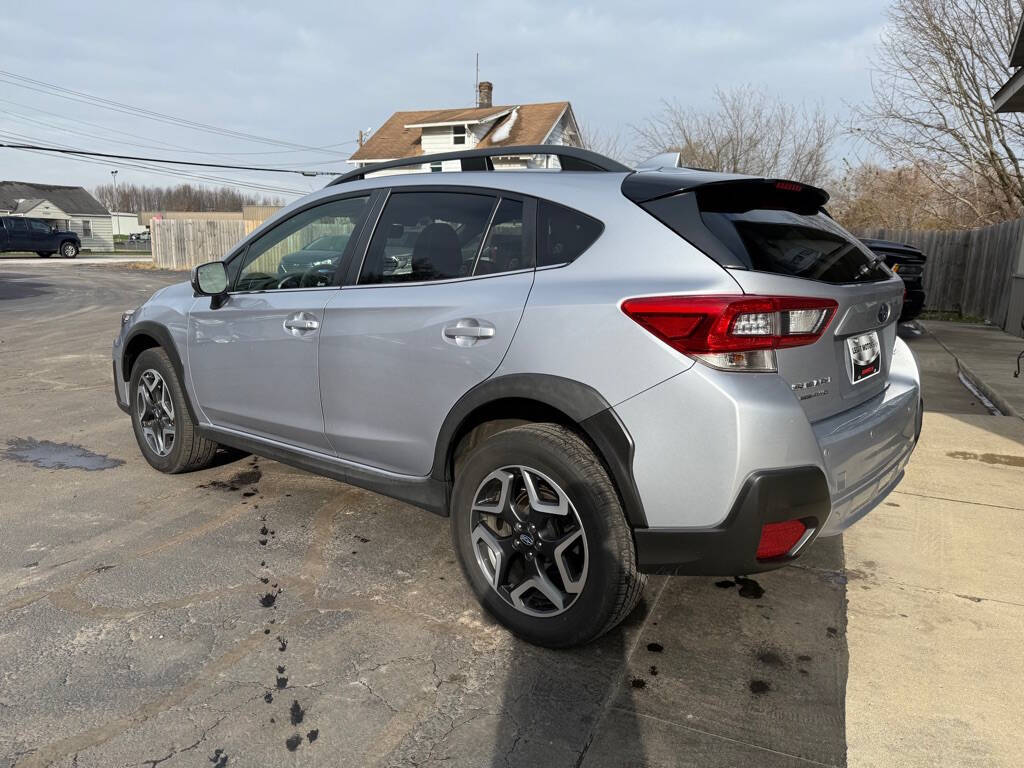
<point x="865" y="356"/>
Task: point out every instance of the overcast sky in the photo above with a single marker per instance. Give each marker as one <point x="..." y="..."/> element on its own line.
<point x="313" y="74"/>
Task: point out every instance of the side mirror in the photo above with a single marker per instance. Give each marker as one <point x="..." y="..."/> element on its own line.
<point x="210" y="279"/>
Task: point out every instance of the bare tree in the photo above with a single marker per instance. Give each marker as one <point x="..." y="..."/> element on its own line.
<point x="868" y="196"/>
<point x="608" y="143"/>
<point x="747" y="131"/>
<point x="936" y="68"/>
<point x="183" y="197"/>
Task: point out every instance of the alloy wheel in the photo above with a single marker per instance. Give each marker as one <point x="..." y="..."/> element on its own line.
<point x="155" y="410"/>
<point x="529" y="541"/>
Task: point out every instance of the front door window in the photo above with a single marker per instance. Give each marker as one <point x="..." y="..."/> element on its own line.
<point x="303" y="251"/>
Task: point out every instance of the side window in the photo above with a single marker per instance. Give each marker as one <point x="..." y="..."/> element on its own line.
<point x="40" y="227"/>
<point x="86" y="228"/>
<point x="303" y="251"/>
<point x="504" y="248"/>
<point x="17" y="225"/>
<point x="563" y="234"/>
<point x="425" y="236"/>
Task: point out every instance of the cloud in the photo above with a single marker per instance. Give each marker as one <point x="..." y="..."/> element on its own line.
<point x="316" y="73"/>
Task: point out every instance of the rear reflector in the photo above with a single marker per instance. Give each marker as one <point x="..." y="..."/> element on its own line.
<point x="777" y="539"/>
<point x="733" y="332"/>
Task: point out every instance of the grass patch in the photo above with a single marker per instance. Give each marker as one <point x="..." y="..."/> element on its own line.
<point x="951" y="316"/>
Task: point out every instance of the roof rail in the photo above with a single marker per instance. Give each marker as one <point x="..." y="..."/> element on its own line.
<point x="570" y="158"/>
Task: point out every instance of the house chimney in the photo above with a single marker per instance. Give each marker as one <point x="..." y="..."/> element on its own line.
<point x="483" y="93"/>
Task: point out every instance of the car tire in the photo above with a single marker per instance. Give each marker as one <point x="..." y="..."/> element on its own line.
<point x="44" y="254"/>
<point x="68" y="249"/>
<point x="163" y="425"/>
<point x="571" y="528"/>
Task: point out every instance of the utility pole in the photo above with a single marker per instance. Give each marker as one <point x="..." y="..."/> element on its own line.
<point x="117" y="224"/>
<point x="361" y="137"/>
<point x="476" y="83"/>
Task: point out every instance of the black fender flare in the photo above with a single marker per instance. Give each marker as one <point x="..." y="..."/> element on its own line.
<point x="162" y="336"/>
<point x="583" y="404"/>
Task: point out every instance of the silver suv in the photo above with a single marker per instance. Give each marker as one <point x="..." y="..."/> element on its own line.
<point x="596" y="373"/>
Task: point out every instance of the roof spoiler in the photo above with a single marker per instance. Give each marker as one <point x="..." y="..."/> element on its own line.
<point x="570" y="159"/>
<point x="726" y="192"/>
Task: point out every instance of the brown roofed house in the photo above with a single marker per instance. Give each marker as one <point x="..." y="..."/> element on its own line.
<point x="427" y="132"/>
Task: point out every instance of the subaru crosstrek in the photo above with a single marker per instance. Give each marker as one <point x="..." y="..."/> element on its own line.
<point x="596" y="373"/>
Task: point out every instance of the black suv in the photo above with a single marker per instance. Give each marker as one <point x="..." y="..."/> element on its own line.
<point x="18" y="233"/>
<point x="908" y="262"/>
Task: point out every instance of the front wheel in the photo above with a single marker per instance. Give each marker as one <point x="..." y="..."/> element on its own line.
<point x="164" y="429"/>
<point x="68" y="250"/>
<point x="542" y="538"/>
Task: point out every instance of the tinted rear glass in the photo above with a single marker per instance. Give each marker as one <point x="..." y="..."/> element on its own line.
<point x="563" y="234"/>
<point x="810" y="246"/>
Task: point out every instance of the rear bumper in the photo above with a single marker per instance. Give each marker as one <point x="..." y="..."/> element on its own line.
<point x="705" y="441"/>
<point x="766" y="497"/>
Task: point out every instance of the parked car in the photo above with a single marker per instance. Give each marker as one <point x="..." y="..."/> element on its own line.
<point x="18" y="233"/>
<point x="908" y="262"/>
<point x="596" y="374"/>
<point x="140" y="236"/>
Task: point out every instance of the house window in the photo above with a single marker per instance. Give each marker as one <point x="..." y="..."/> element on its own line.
<point x="435" y="167"/>
<point x="458" y="134"/>
<point x="86" y="228"/>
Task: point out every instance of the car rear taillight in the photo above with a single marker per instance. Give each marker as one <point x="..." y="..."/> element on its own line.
<point x="735" y="333"/>
<point x="778" y="539"/>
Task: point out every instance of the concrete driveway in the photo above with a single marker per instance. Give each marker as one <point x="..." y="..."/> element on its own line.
<point x="255" y="615"/>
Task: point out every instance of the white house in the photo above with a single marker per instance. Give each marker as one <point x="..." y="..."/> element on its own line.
<point x="425" y="132"/>
<point x="65" y="207"/>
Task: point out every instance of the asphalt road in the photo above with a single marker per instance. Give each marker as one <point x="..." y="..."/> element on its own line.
<point x="254" y="615"/>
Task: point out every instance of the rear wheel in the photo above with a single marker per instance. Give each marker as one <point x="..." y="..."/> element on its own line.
<point x="68" y="249"/>
<point x="542" y="538"/>
<point x="164" y="429"/>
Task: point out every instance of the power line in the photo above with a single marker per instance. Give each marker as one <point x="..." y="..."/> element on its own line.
<point x="51" y="89"/>
<point x="85" y="153"/>
<point x="167" y="146"/>
<point x="163" y="171"/>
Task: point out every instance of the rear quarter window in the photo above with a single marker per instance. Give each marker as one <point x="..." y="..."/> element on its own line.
<point x="563" y="234"/>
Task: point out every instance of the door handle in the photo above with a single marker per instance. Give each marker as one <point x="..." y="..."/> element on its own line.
<point x="469" y="331"/>
<point x="301" y="323"/>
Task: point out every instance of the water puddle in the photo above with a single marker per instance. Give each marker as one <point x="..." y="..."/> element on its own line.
<point x="49" y="455"/>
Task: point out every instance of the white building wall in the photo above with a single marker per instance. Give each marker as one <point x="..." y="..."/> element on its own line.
<point x="102" y="238"/>
<point x="125" y="223"/>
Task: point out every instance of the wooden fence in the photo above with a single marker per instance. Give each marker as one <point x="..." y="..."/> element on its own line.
<point x="968" y="271"/>
<point x="184" y="243"/>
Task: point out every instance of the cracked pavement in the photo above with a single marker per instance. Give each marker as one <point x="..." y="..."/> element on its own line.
<point x="133" y="634"/>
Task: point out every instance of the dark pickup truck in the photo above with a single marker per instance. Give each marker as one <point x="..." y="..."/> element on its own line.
<point x="908" y="262"/>
<point x="18" y="233"/>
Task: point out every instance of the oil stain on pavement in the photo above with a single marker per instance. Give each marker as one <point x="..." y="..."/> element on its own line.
<point x="49" y="455"/>
<point x="1002" y="459"/>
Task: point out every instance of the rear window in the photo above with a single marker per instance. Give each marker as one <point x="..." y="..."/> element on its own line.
<point x="563" y="234"/>
<point x="810" y="246"/>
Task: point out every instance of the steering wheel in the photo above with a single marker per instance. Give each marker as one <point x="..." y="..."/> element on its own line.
<point x="294" y="277"/>
<point x="313" y="277"/>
